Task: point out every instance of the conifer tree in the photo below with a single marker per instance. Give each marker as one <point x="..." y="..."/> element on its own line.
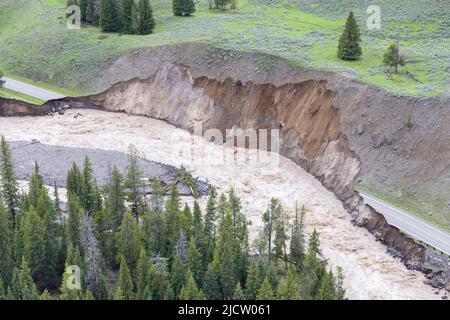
<point x="327" y="287"/>
<point x="187" y="7"/>
<point x="266" y="291"/>
<point x="126" y="11"/>
<point x="239" y="293"/>
<point x="288" y="288"/>
<point x="349" y="47"/>
<point x="88" y="188"/>
<point x="340" y="291"/>
<point x="190" y="291"/>
<point x="176" y="7"/>
<point x="128" y="241"/>
<point x="254" y="280"/>
<point x="125" y="284"/>
<point x="211" y="286"/>
<point x="297" y="244"/>
<point x="177" y="276"/>
<point x="142" y="278"/>
<point x="224" y="261"/>
<point x="159" y="279"/>
<point x="313" y="269"/>
<point x="74" y="181"/>
<point x="6" y="262"/>
<point x="146" y="22"/>
<point x="210" y="226"/>
<point x="23" y="287"/>
<point x="173" y="220"/>
<point x="9" y="186"/>
<point x="34" y="246"/>
<point x="115" y="199"/>
<point x="186" y="221"/>
<point x="280" y="241"/>
<point x="133" y="182"/>
<point x="73" y="220"/>
<point x="194" y="261"/>
<point x="109" y="16"/>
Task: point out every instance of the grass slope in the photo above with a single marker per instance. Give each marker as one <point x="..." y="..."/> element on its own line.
<point x="35" y="43"/>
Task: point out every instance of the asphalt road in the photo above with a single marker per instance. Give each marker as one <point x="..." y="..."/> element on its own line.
<point x="30" y="90"/>
<point x="410" y="225"/>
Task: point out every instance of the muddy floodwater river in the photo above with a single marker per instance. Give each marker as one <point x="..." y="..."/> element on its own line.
<point x="370" y="272"/>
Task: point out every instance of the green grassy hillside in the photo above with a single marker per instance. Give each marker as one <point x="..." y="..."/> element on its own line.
<point x="35" y="43"/>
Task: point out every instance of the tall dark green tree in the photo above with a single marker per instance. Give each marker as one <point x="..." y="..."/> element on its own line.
<point x="211" y="286"/>
<point x="22" y="286"/>
<point x="128" y="241"/>
<point x="297" y="244"/>
<point x="146" y="21"/>
<point x="266" y="291"/>
<point x="110" y="16"/>
<point x="133" y="182"/>
<point x="8" y="181"/>
<point x="6" y="262"/>
<point x="187" y="7"/>
<point x="190" y="291"/>
<point x="125" y="287"/>
<point x="126" y="14"/>
<point x="349" y="43"/>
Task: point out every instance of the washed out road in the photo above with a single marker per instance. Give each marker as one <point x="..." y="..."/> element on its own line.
<point x="30" y="90"/>
<point x="411" y="225"/>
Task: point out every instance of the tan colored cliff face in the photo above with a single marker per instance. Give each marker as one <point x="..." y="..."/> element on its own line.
<point x="309" y="124"/>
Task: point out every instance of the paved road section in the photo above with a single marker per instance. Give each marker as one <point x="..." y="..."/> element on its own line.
<point x="30" y="90"/>
<point x="411" y="225"/>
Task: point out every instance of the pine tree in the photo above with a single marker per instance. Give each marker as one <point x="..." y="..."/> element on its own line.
<point x="297" y="244"/>
<point x="34" y="246"/>
<point x="281" y="236"/>
<point x="83" y="10"/>
<point x="266" y="291"/>
<point x="270" y="217"/>
<point x="73" y="220"/>
<point x="125" y="284"/>
<point x="159" y="279"/>
<point x="88" y="189"/>
<point x="146" y="22"/>
<point x="74" y="181"/>
<point x="176" y="7"/>
<point x="109" y="16"/>
<point x="224" y="261"/>
<point x="173" y="220"/>
<point x="288" y="288"/>
<point x="67" y="292"/>
<point x="187" y="7"/>
<point x="115" y="199"/>
<point x="142" y="271"/>
<point x="177" y="276"/>
<point x="128" y="241"/>
<point x="8" y="182"/>
<point x="349" y="48"/>
<point x="210" y="226"/>
<point x="211" y="286"/>
<point x="133" y="182"/>
<point x="194" y="261"/>
<point x="254" y="280"/>
<point x="313" y="269"/>
<point x="126" y="11"/>
<point x="340" y="291"/>
<point x="6" y="262"/>
<point x="190" y="291"/>
<point x="327" y="287"/>
<point x="239" y="293"/>
<point x="22" y="286"/>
